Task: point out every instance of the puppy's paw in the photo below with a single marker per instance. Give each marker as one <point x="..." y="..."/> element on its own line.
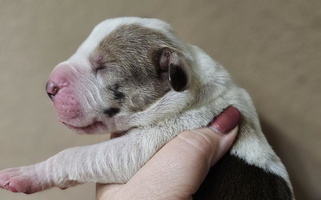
<point x="22" y="179"/>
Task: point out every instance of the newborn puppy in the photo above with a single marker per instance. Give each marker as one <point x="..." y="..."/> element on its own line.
<point x="133" y="77"/>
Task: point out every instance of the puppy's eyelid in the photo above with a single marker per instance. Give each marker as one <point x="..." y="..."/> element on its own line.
<point x="100" y="67"/>
<point x="105" y="66"/>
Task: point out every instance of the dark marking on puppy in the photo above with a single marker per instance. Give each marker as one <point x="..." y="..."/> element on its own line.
<point x="230" y="174"/>
<point x="117" y="94"/>
<point x="110" y="112"/>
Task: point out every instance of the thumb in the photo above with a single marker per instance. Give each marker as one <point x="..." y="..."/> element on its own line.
<point x="225" y="123"/>
<point x="216" y="139"/>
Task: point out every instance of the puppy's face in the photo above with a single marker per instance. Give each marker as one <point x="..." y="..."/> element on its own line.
<point x="123" y="67"/>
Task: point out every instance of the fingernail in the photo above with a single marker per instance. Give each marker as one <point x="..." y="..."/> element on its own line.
<point x="226" y="121"/>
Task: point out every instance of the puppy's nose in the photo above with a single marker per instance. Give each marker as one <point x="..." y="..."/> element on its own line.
<point x="52" y="89"/>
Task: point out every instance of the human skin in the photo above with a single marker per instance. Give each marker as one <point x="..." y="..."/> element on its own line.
<point x="179" y="168"/>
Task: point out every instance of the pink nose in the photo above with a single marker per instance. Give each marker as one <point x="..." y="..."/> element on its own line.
<point x="52" y="89"/>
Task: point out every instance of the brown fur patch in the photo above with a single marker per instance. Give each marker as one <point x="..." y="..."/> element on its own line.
<point x="135" y="51"/>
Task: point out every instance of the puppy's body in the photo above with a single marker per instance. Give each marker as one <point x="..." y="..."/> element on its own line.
<point x="134" y="76"/>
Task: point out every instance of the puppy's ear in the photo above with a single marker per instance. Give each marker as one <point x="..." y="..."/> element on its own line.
<point x="174" y="69"/>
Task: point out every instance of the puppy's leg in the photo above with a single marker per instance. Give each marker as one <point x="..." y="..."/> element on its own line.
<point x="113" y="161"/>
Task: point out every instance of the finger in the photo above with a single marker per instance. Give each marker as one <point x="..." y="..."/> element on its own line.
<point x="107" y="191"/>
<point x="226" y="121"/>
<point x="224" y="144"/>
<point x="223" y="124"/>
<point x="215" y="140"/>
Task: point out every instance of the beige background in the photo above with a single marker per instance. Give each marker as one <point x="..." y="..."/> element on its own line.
<point x="272" y="48"/>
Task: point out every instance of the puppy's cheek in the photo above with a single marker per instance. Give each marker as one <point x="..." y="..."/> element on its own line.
<point x="137" y="101"/>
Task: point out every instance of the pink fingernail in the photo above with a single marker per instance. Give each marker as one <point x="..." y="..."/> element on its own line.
<point x="227" y="120"/>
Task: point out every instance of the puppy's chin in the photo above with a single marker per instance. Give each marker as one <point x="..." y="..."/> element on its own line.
<point x="95" y="127"/>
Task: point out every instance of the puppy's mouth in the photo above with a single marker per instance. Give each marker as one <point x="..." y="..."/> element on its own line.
<point x="95" y="127"/>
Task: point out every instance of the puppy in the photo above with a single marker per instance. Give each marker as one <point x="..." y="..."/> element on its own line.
<point x="133" y="77"/>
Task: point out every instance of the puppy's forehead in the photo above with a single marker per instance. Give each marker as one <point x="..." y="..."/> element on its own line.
<point x="102" y="30"/>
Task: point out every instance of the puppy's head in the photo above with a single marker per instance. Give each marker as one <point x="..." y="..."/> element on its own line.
<point x="123" y="67"/>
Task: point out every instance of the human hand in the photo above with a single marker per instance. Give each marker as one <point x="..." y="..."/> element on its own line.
<point x="178" y="169"/>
